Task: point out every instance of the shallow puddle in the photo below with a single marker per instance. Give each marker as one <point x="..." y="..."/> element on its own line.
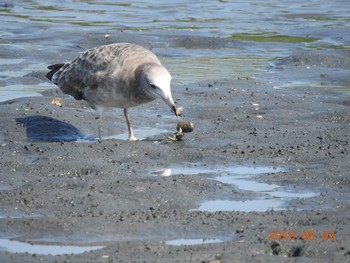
<point x="270" y="190"/>
<point x="270" y="196"/>
<point x="186" y="169"/>
<point x="195" y="241"/>
<point x="243" y="206"/>
<point x="143" y="133"/>
<point x="13" y="246"/>
<point x="46" y="129"/>
<point x="195" y="169"/>
<point x="17" y="215"/>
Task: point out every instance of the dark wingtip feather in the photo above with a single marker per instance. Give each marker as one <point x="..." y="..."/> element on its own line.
<point x="54" y="68"/>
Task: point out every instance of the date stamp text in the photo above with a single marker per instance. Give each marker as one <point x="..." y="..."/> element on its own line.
<point x="307" y="235"/>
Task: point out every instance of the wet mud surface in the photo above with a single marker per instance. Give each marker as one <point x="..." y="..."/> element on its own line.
<point x="254" y="145"/>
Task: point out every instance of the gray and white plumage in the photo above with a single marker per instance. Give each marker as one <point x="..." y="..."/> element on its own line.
<point x="121" y="75"/>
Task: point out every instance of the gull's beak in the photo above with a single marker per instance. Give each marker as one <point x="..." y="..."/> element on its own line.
<point x="169" y="101"/>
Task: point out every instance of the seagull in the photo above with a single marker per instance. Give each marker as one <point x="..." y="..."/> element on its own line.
<point x="121" y="75"/>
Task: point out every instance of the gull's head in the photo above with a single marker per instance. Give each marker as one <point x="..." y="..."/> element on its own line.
<point x="155" y="81"/>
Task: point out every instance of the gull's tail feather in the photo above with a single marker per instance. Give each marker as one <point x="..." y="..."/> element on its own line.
<point x="56" y="71"/>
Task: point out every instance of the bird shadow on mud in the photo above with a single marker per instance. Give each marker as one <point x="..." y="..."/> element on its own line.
<point x="47" y="129"/>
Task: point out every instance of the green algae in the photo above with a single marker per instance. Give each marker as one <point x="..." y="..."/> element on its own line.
<point x="272" y="37"/>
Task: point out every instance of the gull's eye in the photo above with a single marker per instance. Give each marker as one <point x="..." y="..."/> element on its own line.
<point x="153" y="86"/>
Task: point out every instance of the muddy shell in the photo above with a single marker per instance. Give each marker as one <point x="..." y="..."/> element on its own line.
<point x="178" y="111"/>
<point x="185" y="126"/>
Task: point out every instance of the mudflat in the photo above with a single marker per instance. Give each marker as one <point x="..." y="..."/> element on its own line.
<point x="143" y="201"/>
